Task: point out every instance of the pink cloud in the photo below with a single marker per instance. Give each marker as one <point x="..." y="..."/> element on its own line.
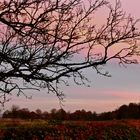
<point x="98" y="100"/>
<point x="94" y="93"/>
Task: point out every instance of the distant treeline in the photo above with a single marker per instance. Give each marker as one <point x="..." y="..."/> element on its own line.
<point x="131" y="111"/>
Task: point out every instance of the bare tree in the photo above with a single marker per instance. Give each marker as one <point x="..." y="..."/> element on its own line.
<point x="41" y="42"/>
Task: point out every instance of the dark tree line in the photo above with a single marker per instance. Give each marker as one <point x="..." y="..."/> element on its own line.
<point x="131" y="111"/>
<point x="54" y="114"/>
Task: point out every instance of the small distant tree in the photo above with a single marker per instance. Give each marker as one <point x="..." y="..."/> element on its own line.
<point x="14" y="110"/>
<point x="43" y="43"/>
<point x="61" y="114"/>
<point x="39" y="113"/>
<point x="46" y="115"/>
<point x="122" y="112"/>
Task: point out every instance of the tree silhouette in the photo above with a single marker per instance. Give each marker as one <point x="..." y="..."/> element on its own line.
<point x="43" y="43"/>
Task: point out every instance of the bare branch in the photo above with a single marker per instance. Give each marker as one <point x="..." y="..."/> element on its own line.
<point x="44" y="43"/>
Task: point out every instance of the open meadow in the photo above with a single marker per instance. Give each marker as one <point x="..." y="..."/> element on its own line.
<point x="16" y="129"/>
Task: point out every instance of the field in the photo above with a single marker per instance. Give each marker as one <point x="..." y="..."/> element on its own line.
<point x="14" y="129"/>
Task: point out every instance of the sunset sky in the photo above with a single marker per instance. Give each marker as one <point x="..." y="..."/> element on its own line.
<point x="105" y="94"/>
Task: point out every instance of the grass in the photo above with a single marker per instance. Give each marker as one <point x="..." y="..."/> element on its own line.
<point x="69" y="130"/>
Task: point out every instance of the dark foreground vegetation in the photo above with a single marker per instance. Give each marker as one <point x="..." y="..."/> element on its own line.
<point x="69" y="130"/>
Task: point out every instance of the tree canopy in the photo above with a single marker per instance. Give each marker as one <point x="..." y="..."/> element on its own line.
<point x="43" y="43"/>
